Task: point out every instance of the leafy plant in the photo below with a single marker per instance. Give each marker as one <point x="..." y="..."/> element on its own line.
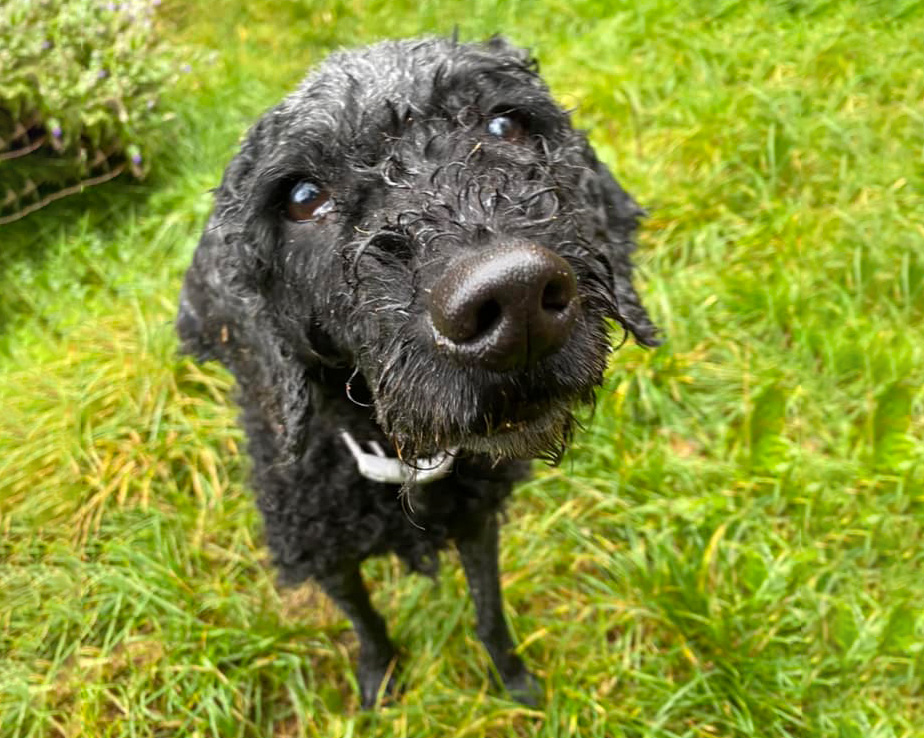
<point x="79" y="96"/>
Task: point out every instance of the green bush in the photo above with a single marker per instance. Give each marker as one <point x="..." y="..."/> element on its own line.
<point x="79" y="85"/>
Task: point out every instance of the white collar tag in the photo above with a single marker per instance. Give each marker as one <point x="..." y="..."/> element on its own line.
<point x="378" y="467"/>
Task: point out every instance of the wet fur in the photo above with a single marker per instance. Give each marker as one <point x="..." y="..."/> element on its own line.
<point x="297" y="311"/>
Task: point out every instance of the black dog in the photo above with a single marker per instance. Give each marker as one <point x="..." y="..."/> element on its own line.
<point x="415" y="251"/>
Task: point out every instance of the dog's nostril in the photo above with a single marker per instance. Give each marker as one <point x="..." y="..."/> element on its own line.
<point x="558" y="293"/>
<point x="488" y="315"/>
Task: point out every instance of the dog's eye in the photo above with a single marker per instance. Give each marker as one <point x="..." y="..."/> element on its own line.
<point x="307" y="201"/>
<point x="507" y="127"/>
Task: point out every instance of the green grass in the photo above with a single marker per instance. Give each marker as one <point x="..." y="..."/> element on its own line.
<point x="733" y="547"/>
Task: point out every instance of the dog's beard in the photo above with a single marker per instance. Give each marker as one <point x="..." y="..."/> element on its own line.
<point x="426" y="410"/>
<point x="544" y="437"/>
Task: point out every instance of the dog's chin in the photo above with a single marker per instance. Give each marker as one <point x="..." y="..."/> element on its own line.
<point x="546" y="438"/>
<point x="542" y="436"/>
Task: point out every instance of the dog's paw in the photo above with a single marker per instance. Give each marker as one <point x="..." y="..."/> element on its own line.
<point x="377" y="684"/>
<point x="526" y="689"/>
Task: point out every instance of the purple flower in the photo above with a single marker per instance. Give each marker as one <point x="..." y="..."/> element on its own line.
<point x="46" y="44"/>
<point x="57" y="132"/>
<point x="136" y="158"/>
<point x="102" y="74"/>
<point x="186" y="68"/>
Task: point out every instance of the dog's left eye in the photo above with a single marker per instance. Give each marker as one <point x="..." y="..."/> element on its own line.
<point x="507" y="127"/>
<point x="307" y="201"/>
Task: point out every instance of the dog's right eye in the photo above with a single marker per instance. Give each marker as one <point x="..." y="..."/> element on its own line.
<point x="509" y="126"/>
<point x="307" y="201"/>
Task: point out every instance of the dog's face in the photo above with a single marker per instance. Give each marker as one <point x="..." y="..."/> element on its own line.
<point x="424" y="213"/>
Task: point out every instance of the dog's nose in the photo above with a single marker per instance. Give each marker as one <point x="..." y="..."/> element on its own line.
<point x="505" y="307"/>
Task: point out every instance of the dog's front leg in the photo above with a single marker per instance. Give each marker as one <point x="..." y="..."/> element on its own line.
<point x="479" y="554"/>
<point x="376" y="652"/>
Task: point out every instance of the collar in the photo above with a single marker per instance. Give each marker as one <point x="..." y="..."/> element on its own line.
<point x="378" y="467"/>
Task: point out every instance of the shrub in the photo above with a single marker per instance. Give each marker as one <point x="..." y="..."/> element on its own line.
<point x="79" y="84"/>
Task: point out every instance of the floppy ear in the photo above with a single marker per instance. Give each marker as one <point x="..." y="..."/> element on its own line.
<point x="223" y="314"/>
<point x="221" y="320"/>
<point x="620" y="215"/>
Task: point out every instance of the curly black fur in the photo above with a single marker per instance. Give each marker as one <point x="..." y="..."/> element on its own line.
<point x="396" y="133"/>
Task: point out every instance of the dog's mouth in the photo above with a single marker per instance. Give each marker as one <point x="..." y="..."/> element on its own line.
<point x="421" y="452"/>
<point x="534" y="432"/>
<point x="537" y="434"/>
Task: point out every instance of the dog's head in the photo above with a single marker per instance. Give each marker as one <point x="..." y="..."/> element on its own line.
<point x="421" y="212"/>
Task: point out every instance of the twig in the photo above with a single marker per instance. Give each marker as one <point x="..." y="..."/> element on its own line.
<point x="23" y="151"/>
<point x="112" y="174"/>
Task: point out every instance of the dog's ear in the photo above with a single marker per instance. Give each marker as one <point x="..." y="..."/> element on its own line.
<point x="219" y="319"/>
<point x="620" y="215"/>
<point x="223" y="314"/>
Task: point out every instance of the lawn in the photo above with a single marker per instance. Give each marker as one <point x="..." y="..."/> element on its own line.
<point x="734" y="546"/>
